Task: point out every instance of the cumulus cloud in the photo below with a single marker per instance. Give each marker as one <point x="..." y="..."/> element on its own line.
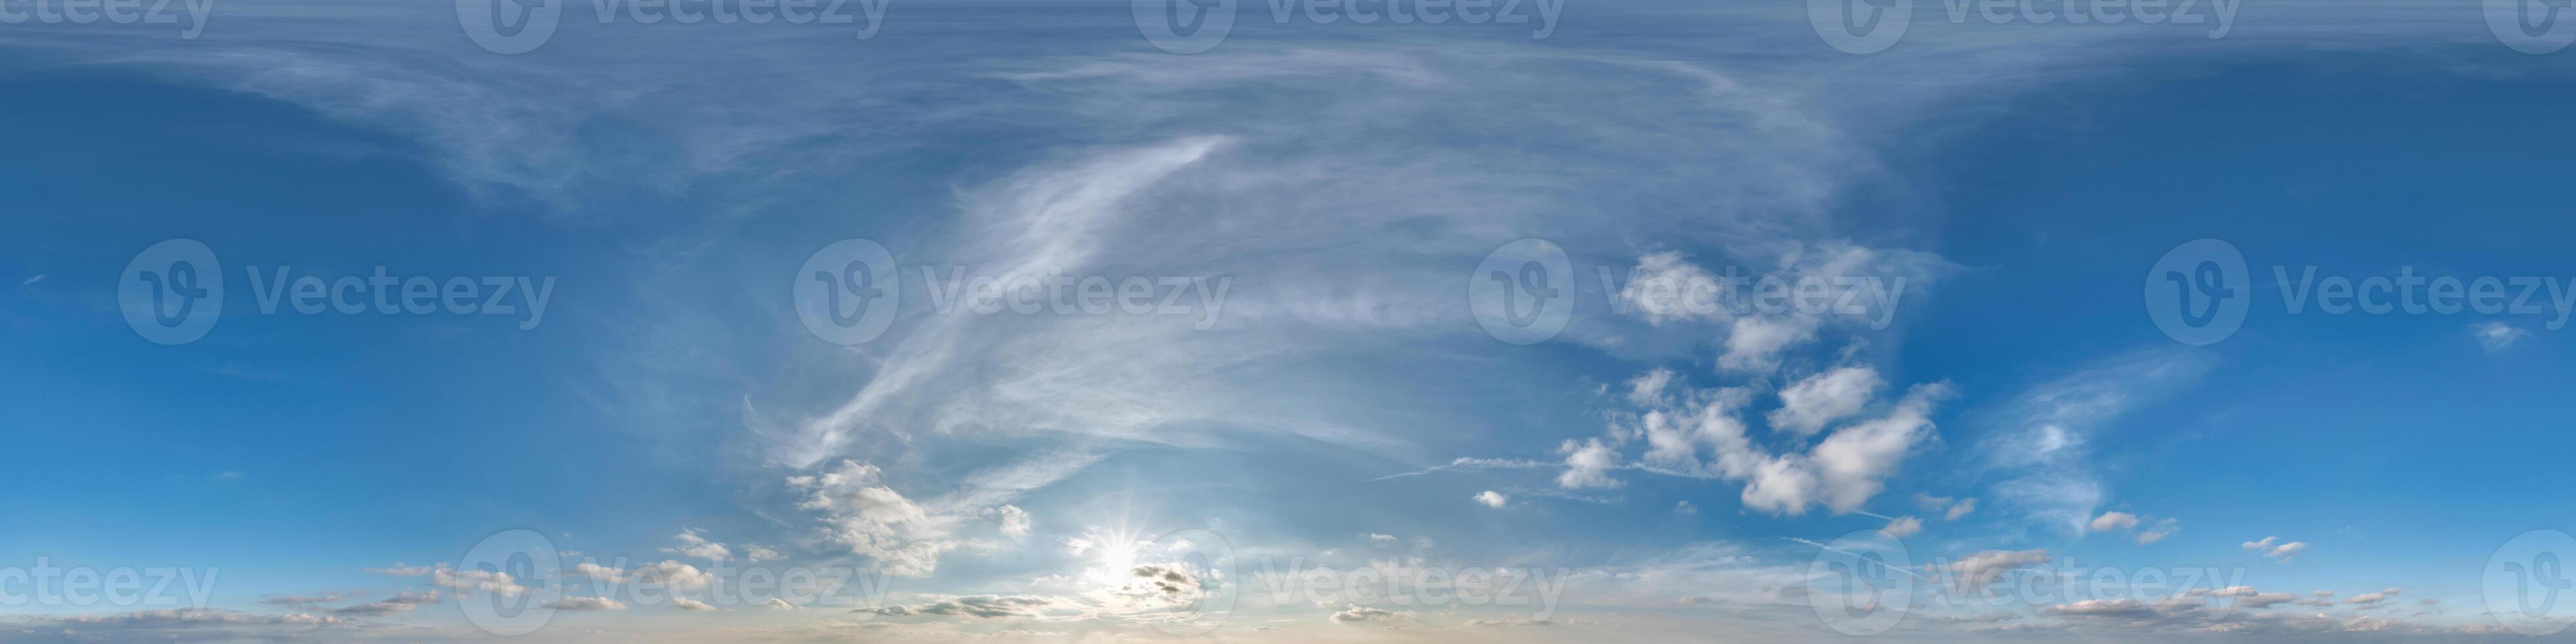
<point x="1903" y="527"/>
<point x="1587" y="465"/>
<point x="684" y="603"/>
<point x="693" y="543"/>
<point x="2113" y="521"/>
<point x="976" y="606"/>
<point x="1949" y="508"/>
<point x="1492" y="499"/>
<point x="875" y="521"/>
<point x="1807" y="406"/>
<point x="2278" y="552"/>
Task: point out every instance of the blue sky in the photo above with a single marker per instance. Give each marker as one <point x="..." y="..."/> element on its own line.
<point x="1339" y="409"/>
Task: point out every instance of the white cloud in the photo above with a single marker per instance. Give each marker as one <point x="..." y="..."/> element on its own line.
<point x="1587" y="465"/>
<point x="497" y="583"/>
<point x="1358" y="613"/>
<point x="2113" y="521"/>
<point x="2158" y="532"/>
<point x="588" y="603"/>
<point x="1492" y="499"/>
<point x="678" y="576"/>
<point x="2496" y="336"/>
<point x="694" y="543"/>
<point x="1807" y="406"/>
<point x="1976" y="570"/>
<point x="684" y="603"/>
<point x="1903" y="527"/>
<point x="1015" y="521"/>
<point x="2278" y="552"/>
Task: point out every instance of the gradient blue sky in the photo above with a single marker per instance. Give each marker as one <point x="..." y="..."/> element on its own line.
<point x="1347" y="179"/>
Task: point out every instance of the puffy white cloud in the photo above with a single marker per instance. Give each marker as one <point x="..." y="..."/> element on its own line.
<point x="1492" y="499"/>
<point x="1807" y="406"/>
<point x="2278" y="552"/>
<point x="1015" y="521"/>
<point x="775" y="603"/>
<point x="694" y="543"/>
<point x="1903" y="527"/>
<point x="598" y="572"/>
<point x="678" y="576"/>
<point x="2113" y="521"/>
<point x="497" y="583"/>
<point x="684" y="603"/>
<point x="874" y="521"/>
<point x="1587" y="465"/>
